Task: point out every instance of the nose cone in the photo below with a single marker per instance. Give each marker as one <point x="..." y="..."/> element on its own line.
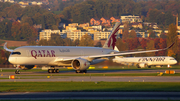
<point x="175" y="61"/>
<point x="12" y="60"/>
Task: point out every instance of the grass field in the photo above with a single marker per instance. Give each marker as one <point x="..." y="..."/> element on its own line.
<point x="87" y="86"/>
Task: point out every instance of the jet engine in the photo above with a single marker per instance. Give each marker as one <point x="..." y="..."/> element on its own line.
<point x="141" y="65"/>
<point x="80" y="64"/>
<point x="26" y="67"/>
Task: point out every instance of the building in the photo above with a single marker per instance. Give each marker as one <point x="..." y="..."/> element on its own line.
<point x="115" y="19"/>
<point x="46" y="34"/>
<point x="83" y="25"/>
<point x="100" y="35"/>
<point x="152" y="25"/>
<point x="130" y="18"/>
<point x="136" y="25"/>
<point x="77" y="35"/>
<point x="95" y="21"/>
<point x="105" y="21"/>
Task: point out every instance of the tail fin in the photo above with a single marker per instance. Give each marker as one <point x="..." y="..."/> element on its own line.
<point x="111" y="41"/>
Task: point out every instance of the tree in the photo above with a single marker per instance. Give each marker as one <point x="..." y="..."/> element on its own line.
<point x="143" y="43"/>
<point x="169" y="18"/>
<point x="133" y="43"/>
<point x="56" y="40"/>
<point x="152" y="34"/>
<point x="16" y="30"/>
<point x="5" y="26"/>
<point x="152" y="14"/>
<point x="132" y="34"/>
<point x="162" y="44"/>
<point x="140" y="48"/>
<point x="76" y="42"/>
<point x="163" y="35"/>
<point x="150" y="46"/>
<point x="43" y="42"/>
<point x="98" y="44"/>
<point x="86" y="40"/>
<point x="68" y="42"/>
<point x="125" y="33"/>
<point x="121" y="45"/>
<point x="26" y="19"/>
<point x="172" y="38"/>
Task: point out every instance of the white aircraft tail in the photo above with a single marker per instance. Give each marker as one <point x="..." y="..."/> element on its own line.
<point x="116" y="49"/>
<point x="111" y="41"/>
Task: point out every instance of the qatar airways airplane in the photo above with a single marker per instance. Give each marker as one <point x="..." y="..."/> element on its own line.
<point x="80" y="58"/>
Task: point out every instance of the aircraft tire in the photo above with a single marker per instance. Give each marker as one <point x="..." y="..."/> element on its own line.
<point x="50" y="71"/>
<point x="57" y="70"/>
<point x="149" y="66"/>
<point x="53" y="71"/>
<point x="17" y="72"/>
<point x="78" y="71"/>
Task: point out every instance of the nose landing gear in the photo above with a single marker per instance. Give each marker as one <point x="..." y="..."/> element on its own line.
<point x="17" y="69"/>
<point x="17" y="72"/>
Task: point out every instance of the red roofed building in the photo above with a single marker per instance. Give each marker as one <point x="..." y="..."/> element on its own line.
<point x="115" y="19"/>
<point x="105" y="21"/>
<point x="95" y="21"/>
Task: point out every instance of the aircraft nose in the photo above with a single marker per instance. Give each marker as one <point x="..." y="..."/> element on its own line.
<point x="175" y="61"/>
<point x="12" y="60"/>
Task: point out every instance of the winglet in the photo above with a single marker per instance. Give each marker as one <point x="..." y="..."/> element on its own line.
<point x="5" y="47"/>
<point x="169" y="46"/>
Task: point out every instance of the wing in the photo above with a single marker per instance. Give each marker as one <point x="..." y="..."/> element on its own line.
<point x="5" y="47"/>
<point x="89" y="58"/>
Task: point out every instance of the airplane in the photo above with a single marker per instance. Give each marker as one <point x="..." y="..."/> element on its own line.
<point x="80" y="58"/>
<point x="142" y="62"/>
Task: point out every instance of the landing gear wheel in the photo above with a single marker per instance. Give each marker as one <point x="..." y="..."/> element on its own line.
<point x="78" y="71"/>
<point x="17" y="72"/>
<point x="57" y="70"/>
<point x="149" y="66"/>
<point x="50" y="70"/>
<point x="54" y="71"/>
<point x="81" y="71"/>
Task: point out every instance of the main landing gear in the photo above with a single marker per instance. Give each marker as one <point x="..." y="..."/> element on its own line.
<point x="53" y="70"/>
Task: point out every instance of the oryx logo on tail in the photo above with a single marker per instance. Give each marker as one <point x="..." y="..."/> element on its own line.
<point x="111" y="41"/>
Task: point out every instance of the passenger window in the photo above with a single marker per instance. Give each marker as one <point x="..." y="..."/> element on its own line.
<point x="18" y="53"/>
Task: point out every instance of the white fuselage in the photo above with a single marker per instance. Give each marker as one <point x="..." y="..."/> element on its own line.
<point x="46" y="55"/>
<point x="155" y="60"/>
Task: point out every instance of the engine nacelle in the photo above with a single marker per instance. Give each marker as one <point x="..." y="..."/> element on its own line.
<point x="141" y="65"/>
<point x="80" y="64"/>
<point x="26" y="67"/>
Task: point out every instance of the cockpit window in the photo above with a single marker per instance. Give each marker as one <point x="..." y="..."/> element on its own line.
<point x="18" y="53"/>
<point x="172" y="59"/>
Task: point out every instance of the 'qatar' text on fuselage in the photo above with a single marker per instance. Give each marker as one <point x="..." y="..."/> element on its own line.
<point x="42" y="53"/>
